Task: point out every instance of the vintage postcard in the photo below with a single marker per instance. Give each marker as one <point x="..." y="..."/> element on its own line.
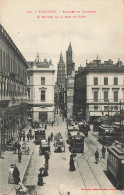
<point x="61" y="97"/>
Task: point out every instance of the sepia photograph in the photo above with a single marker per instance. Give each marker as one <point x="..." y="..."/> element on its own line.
<point x="61" y="97"/>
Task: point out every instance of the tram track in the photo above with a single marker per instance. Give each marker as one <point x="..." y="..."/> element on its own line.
<point x="86" y="156"/>
<point x="90" y="146"/>
<point x="95" y="177"/>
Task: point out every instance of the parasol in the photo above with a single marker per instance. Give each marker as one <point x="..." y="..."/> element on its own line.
<point x="73" y="155"/>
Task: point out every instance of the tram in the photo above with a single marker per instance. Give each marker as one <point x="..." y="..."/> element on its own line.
<point x="106" y="135"/>
<point x="39" y="134"/>
<point x="71" y="129"/>
<point x="76" y="142"/>
<point x="115" y="164"/>
<point x="84" y="128"/>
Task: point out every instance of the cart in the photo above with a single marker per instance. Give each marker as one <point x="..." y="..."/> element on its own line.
<point x="59" y="143"/>
<point x="44" y="147"/>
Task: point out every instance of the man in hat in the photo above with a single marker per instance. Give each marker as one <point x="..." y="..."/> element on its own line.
<point x="97" y="156"/>
<point x="40" y="178"/>
<point x="19" y="156"/>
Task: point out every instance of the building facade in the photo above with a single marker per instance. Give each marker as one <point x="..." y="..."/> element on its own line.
<point x="13" y="89"/>
<point x="99" y="89"/>
<point x="41" y="91"/>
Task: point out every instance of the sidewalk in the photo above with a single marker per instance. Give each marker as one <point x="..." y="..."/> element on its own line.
<point x="10" y="158"/>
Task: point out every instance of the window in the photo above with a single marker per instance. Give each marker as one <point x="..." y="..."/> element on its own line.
<point x="42" y="96"/>
<point x="95" y="108"/>
<point x="28" y="93"/>
<point x="95" y="81"/>
<point x="95" y="96"/>
<point x="1" y="58"/>
<point x="115" y="96"/>
<point x="105" y="96"/>
<point x="116" y="108"/>
<point x="105" y="108"/>
<point x="28" y="81"/>
<point x="115" y="81"/>
<point x="105" y="80"/>
<point x="42" y="80"/>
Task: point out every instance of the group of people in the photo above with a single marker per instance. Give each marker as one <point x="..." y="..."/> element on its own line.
<point x="29" y="135"/>
<point x="14" y="175"/>
<point x="71" y="163"/>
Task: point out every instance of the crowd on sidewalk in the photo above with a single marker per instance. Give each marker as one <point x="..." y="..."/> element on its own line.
<point x="14" y="163"/>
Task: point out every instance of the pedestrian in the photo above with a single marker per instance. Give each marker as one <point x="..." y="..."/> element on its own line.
<point x="11" y="178"/>
<point x="47" y="157"/>
<point x="20" y="136"/>
<point x="49" y="139"/>
<point x="18" y="146"/>
<point x="24" y="136"/>
<point x="103" y="151"/>
<point x="51" y="136"/>
<point x="52" y="123"/>
<point x="30" y="131"/>
<point x="97" y="156"/>
<point x="45" y="173"/>
<point x="72" y="166"/>
<point x="15" y="146"/>
<point x="19" y="156"/>
<point x="28" y="137"/>
<point x="63" y="118"/>
<point x="40" y="178"/>
<point x="16" y="175"/>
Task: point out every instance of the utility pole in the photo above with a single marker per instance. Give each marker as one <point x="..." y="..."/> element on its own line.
<point x="108" y="111"/>
<point x="121" y="126"/>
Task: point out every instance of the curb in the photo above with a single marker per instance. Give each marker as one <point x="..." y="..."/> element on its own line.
<point x="26" y="167"/>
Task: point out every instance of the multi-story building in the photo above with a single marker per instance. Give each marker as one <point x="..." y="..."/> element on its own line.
<point x="99" y="89"/>
<point x="41" y="91"/>
<point x="13" y="89"/>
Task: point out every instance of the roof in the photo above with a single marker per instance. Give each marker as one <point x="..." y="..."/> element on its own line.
<point x="117" y="151"/>
<point x="102" y="68"/>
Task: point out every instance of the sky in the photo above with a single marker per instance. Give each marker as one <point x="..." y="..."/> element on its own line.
<point x="99" y="33"/>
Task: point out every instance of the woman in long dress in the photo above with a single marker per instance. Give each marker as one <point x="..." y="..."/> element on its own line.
<point x="16" y="175"/>
<point x="11" y="178"/>
<point x="72" y="166"/>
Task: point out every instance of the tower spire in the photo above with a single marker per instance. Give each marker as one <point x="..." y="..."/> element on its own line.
<point x="61" y="58"/>
<point x="70" y="47"/>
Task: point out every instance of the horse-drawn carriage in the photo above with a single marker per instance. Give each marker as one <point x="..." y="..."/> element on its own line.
<point x="44" y="147"/>
<point x="59" y="143"/>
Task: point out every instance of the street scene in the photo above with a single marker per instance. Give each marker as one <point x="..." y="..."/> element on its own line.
<point x="61" y="97"/>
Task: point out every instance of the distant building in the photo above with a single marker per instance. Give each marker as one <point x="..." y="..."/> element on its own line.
<point x="70" y="71"/>
<point x="61" y="72"/>
<point x="13" y="90"/>
<point x="69" y="61"/>
<point x="99" y="89"/>
<point x="41" y="91"/>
